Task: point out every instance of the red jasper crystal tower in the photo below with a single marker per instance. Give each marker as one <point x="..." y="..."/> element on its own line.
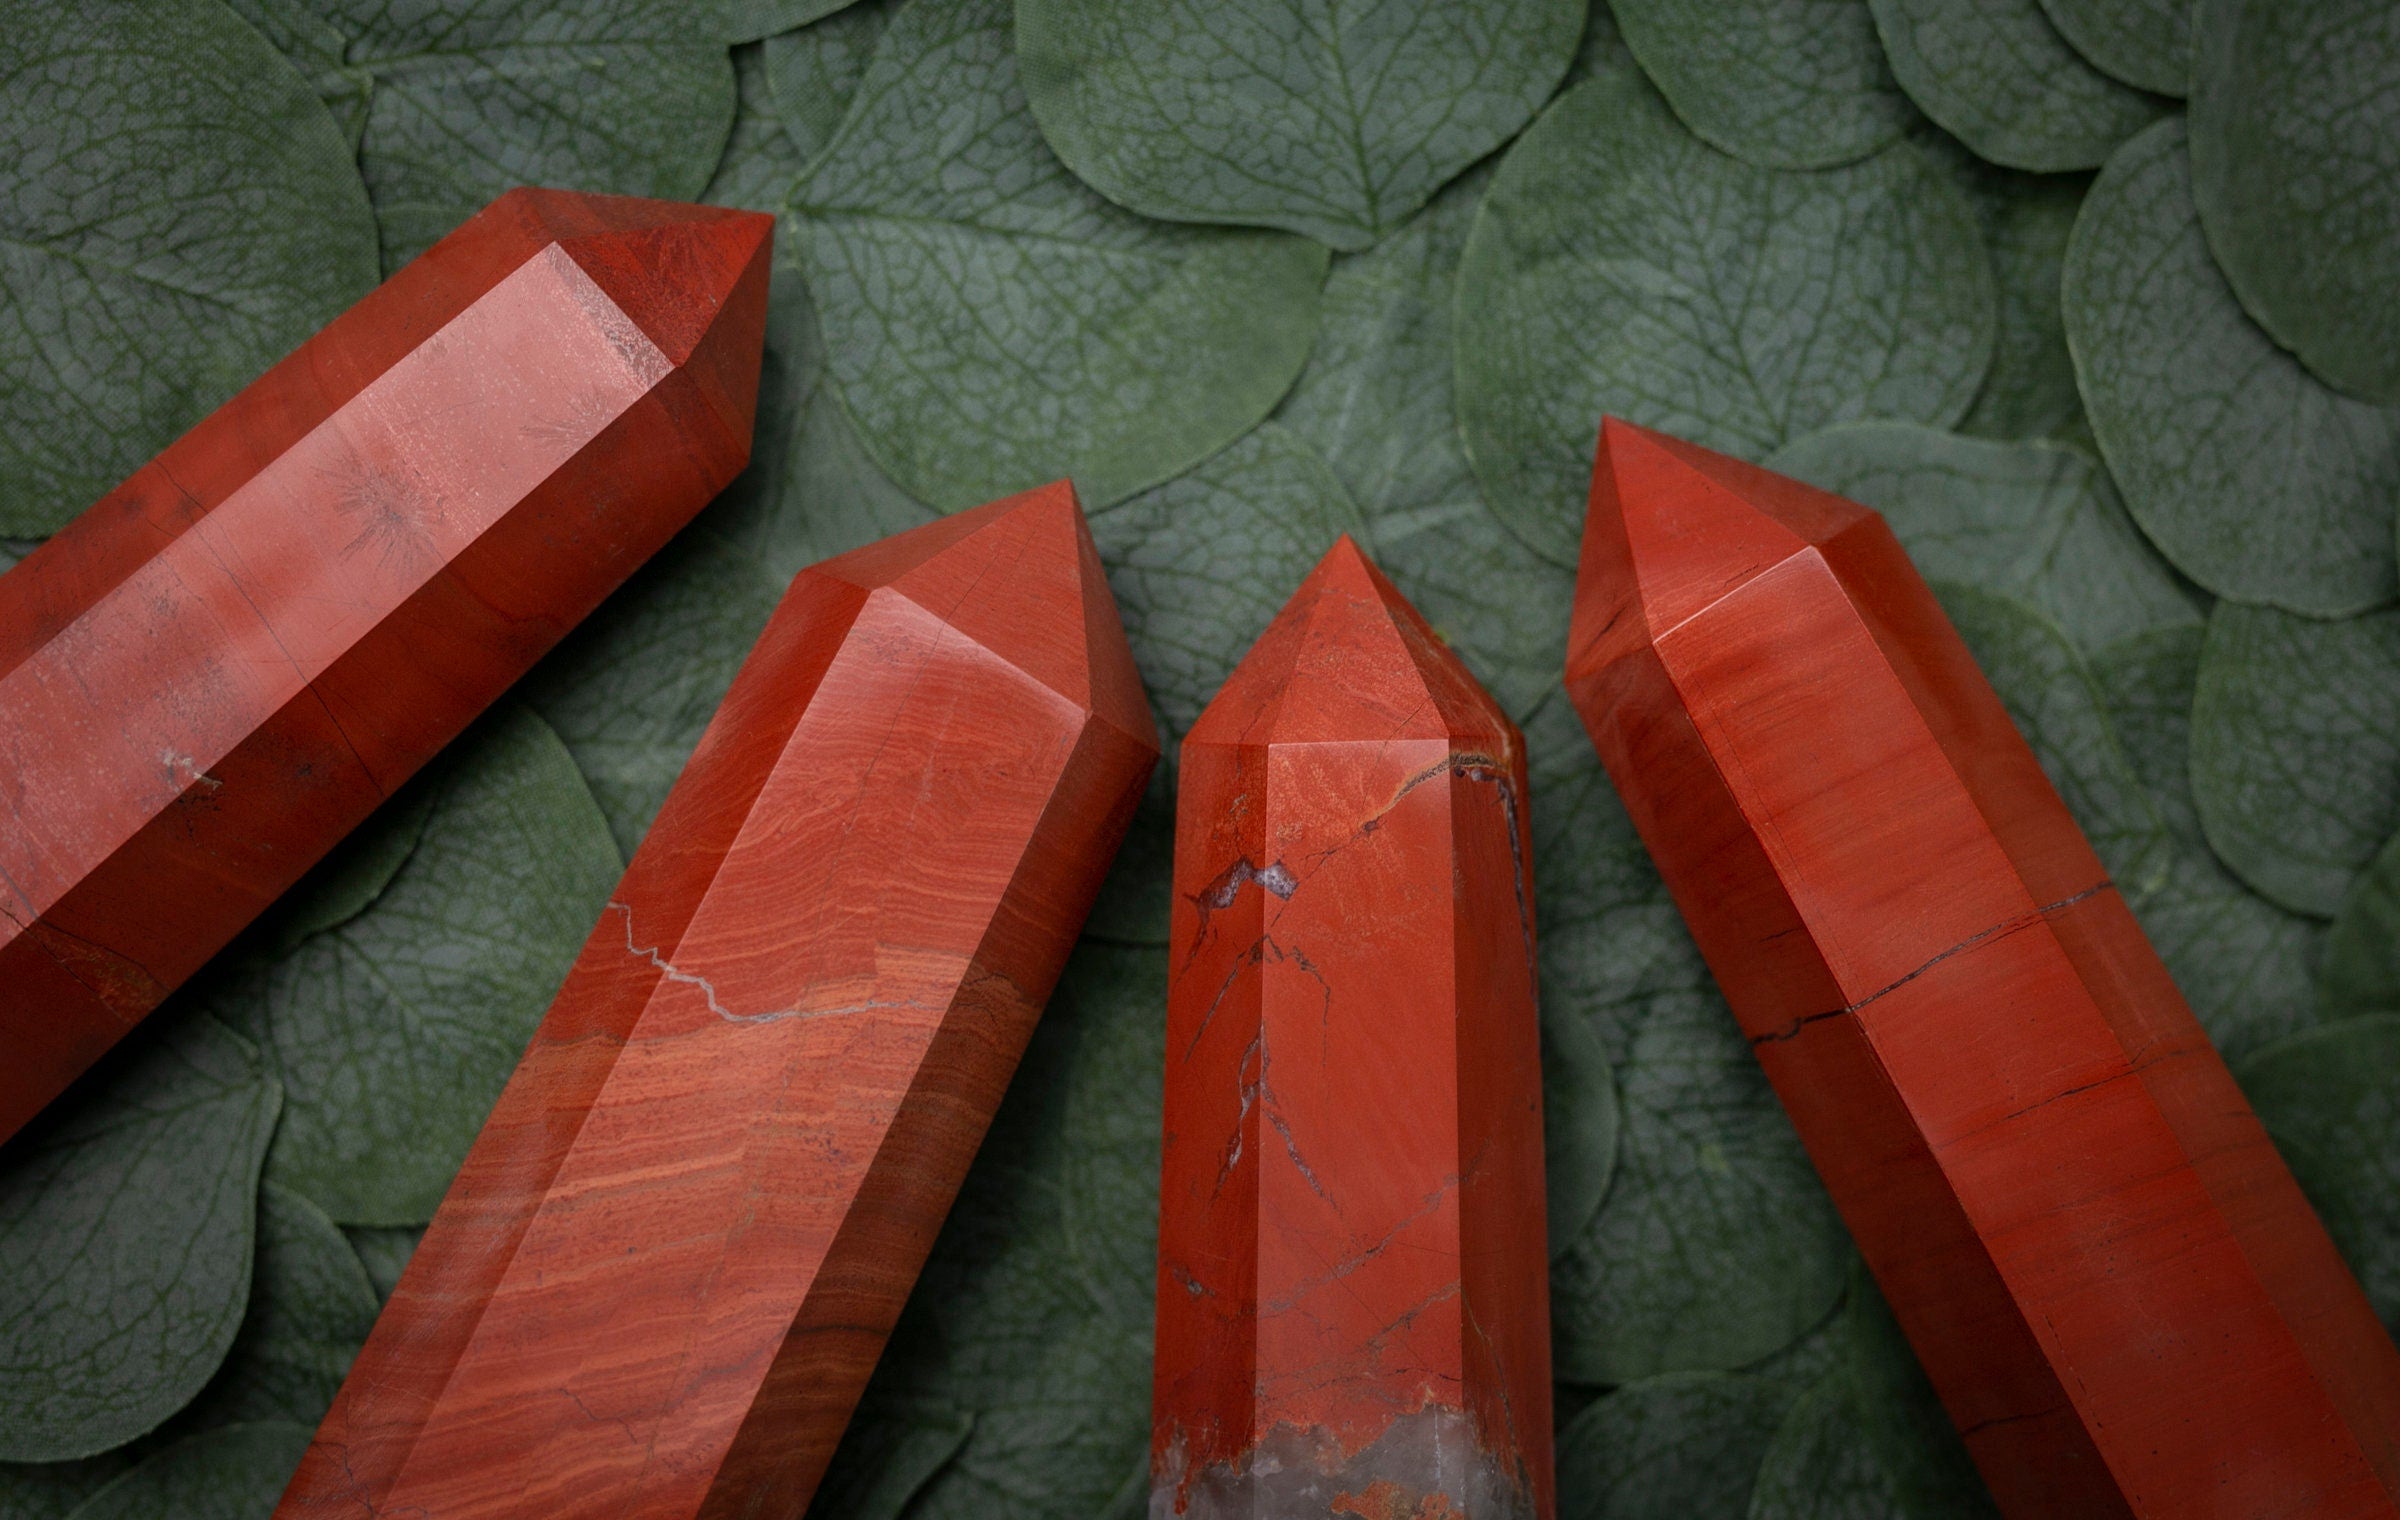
<point x="2122" y="1298"/>
<point x="1353" y="1289"/>
<point x="659" y="1283"/>
<point x="221" y="667"/>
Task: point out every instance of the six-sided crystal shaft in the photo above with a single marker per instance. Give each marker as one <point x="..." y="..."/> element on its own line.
<point x="2121" y="1296"/>
<point x="221" y="667"/>
<point x="660" y="1281"/>
<point x="1353" y="1288"/>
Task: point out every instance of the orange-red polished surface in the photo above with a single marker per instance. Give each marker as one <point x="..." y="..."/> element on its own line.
<point x="2124" y="1301"/>
<point x="221" y="667"/>
<point x="660" y="1281"/>
<point x="1353" y="1290"/>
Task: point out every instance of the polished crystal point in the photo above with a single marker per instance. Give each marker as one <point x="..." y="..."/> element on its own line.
<point x="218" y="670"/>
<point x="1353" y="1285"/>
<point x="2121" y="1296"/>
<point x="671" y="1259"/>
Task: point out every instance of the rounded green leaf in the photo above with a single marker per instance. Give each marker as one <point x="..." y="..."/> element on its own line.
<point x="451" y="105"/>
<point x="749" y="20"/>
<point x="395" y="1031"/>
<point x="1715" y="1245"/>
<point x="812" y="73"/>
<point x="2050" y="694"/>
<point x="1821" y="1466"/>
<point x="1620" y="265"/>
<point x="1999" y="77"/>
<point x="2244" y="964"/>
<point x="992" y="323"/>
<point x="178" y="212"/>
<point x="2296" y="748"/>
<point x="1202" y="564"/>
<point x="2039" y="521"/>
<point x="1332" y="120"/>
<point x="2147" y="43"/>
<point x="1791" y="84"/>
<point x="1375" y="400"/>
<point x="1580" y="1120"/>
<point x="2204" y="421"/>
<point x="2296" y="165"/>
<point x="2331" y="1100"/>
<point x="2027" y="221"/>
<point x="1869" y="1441"/>
<point x="760" y="164"/>
<point x="311" y="1306"/>
<point x="236" y="1472"/>
<point x="1902" y="1419"/>
<point x="2361" y="970"/>
<point x="1681" y="1446"/>
<point x="127" y="1220"/>
<point x="384" y="1251"/>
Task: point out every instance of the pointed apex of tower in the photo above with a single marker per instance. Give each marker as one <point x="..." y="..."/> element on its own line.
<point x="1021" y="577"/>
<point x="1672" y="527"/>
<point x="1349" y="658"/>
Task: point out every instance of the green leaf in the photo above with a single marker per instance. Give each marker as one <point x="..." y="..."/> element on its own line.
<point x="311" y="1307"/>
<point x="384" y="1251"/>
<point x="2361" y="969"/>
<point x="1137" y="899"/>
<point x="177" y="212"/>
<point x="349" y="880"/>
<point x="749" y="20"/>
<point x="233" y="1473"/>
<point x="394" y="1032"/>
<point x="127" y="1219"/>
<point x="630" y="693"/>
<point x="1619" y="265"/>
<point x="1681" y="1446"/>
<point x="1602" y="48"/>
<point x="1820" y="1465"/>
<point x="2050" y="695"/>
<point x="1905" y="1426"/>
<point x="2296" y="164"/>
<point x="812" y="73"/>
<point x="1715" y="1245"/>
<point x="2203" y="419"/>
<point x="1202" y="564"/>
<point x="1998" y="76"/>
<point x="2330" y="1098"/>
<point x="1790" y="84"/>
<point x="2027" y="221"/>
<point x="1033" y="1315"/>
<point x="1870" y="1440"/>
<point x="1581" y="1119"/>
<point x="760" y="163"/>
<point x="2244" y="963"/>
<point x="1335" y="121"/>
<point x="2296" y="748"/>
<point x="886" y="1458"/>
<point x="1375" y="400"/>
<point x="2146" y="43"/>
<point x="992" y="323"/>
<point x="450" y="106"/>
<point x="52" y="1490"/>
<point x="2038" y="521"/>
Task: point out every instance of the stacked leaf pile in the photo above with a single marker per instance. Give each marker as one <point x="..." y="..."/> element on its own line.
<point x="1253" y="273"/>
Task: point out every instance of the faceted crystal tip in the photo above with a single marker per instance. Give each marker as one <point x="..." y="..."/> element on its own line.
<point x="1022" y="577"/>
<point x="1673" y="527"/>
<point x="675" y="268"/>
<point x="1347" y="657"/>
